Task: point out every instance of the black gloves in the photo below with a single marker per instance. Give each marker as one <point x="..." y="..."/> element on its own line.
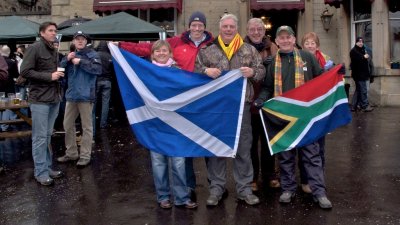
<point x="267" y="61"/>
<point x="258" y="103"/>
<point x="342" y="70"/>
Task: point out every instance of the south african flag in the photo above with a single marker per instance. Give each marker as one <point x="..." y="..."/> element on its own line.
<point x="304" y="114"/>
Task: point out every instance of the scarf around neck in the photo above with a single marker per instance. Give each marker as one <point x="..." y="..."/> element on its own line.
<point x="169" y="63"/>
<point x="232" y="48"/>
<point x="299" y="73"/>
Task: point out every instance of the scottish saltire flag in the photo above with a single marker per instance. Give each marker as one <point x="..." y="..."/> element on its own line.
<point x="179" y="113"/>
<point x="304" y="114"/>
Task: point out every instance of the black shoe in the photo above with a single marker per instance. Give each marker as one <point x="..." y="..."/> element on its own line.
<point x="367" y="109"/>
<point x="45" y="181"/>
<point x="54" y="174"/>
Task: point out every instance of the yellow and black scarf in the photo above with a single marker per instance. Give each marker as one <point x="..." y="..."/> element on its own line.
<point x="299" y="73"/>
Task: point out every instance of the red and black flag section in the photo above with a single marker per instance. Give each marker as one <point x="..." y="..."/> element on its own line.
<point x="304" y="114"/>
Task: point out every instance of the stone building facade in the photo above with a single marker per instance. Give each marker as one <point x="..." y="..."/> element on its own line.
<point x="382" y="18"/>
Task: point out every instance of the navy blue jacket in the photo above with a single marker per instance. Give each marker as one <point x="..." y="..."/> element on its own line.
<point x="82" y="77"/>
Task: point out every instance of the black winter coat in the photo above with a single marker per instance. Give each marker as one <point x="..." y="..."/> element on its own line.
<point x="360" y="70"/>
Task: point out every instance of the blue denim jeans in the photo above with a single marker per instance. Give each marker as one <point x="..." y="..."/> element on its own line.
<point x="360" y="97"/>
<point x="43" y="117"/>
<point x="103" y="90"/>
<point x="6" y="115"/>
<point x="159" y="165"/>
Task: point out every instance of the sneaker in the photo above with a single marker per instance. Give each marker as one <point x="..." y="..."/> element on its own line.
<point x="250" y="199"/>
<point x="82" y="162"/>
<point x="286" y="197"/>
<point x="213" y="200"/>
<point x="254" y="186"/>
<point x="44" y="181"/>
<point x="66" y="158"/>
<point x="323" y="202"/>
<point x="306" y="188"/>
<point x="166" y="204"/>
<point x="190" y="204"/>
<point x="367" y="109"/>
<point x="54" y="174"/>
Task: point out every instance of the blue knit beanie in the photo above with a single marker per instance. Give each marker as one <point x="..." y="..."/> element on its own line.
<point x="197" y="16"/>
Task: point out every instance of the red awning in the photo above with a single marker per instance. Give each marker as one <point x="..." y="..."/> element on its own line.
<point x="276" y="4"/>
<point x="335" y="3"/>
<point x="113" y="5"/>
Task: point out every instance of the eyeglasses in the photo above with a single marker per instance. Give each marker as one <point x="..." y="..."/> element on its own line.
<point x="253" y="30"/>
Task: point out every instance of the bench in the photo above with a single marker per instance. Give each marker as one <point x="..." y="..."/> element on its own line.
<point x="15" y="134"/>
<point x="12" y="122"/>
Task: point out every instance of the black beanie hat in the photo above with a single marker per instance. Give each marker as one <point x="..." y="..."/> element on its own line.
<point x="197" y="16"/>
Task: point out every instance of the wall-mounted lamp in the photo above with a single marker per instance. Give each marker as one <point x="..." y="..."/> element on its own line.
<point x="326" y="18"/>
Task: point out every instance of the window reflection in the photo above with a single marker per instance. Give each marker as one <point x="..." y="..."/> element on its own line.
<point x="394" y="32"/>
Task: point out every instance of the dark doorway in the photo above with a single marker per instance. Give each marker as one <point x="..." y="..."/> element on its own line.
<point x="277" y="18"/>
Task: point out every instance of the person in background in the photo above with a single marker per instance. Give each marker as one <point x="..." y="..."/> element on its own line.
<point x="161" y="55"/>
<point x="3" y="72"/>
<point x="185" y="48"/>
<point x="10" y="85"/>
<point x="310" y="42"/>
<point x="20" y="83"/>
<point x="257" y="38"/>
<point x="82" y="68"/>
<point x="40" y="69"/>
<point x="289" y="69"/>
<point x="103" y="85"/>
<point x="361" y="73"/>
<point x="229" y="52"/>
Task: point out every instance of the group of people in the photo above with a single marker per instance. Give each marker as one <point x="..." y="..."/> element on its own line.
<point x="271" y="70"/>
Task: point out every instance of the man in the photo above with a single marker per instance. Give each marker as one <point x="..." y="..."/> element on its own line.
<point x="257" y="38"/>
<point x="289" y="69"/>
<point x="82" y="67"/>
<point x="103" y="84"/>
<point x="228" y="52"/>
<point x="361" y="74"/>
<point x="9" y="85"/>
<point x="3" y="71"/>
<point x="185" y="49"/>
<point x="40" y="69"/>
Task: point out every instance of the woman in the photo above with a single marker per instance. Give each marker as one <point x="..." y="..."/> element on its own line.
<point x="310" y="42"/>
<point x="161" y="55"/>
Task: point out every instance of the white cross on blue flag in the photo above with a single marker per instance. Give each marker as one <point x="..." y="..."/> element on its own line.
<point x="179" y="113"/>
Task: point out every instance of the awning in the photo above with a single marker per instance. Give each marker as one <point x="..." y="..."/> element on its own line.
<point x="335" y="3"/>
<point x="113" y="5"/>
<point x="276" y="4"/>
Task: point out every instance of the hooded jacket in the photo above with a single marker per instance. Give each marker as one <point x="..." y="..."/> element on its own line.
<point x="107" y="68"/>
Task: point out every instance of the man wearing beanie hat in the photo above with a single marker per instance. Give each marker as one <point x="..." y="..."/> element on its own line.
<point x="185" y="48"/>
<point x="361" y="73"/>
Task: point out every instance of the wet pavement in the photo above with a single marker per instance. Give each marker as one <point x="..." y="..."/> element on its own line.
<point x="362" y="177"/>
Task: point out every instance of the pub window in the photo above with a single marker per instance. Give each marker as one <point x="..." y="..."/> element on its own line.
<point x="394" y="31"/>
<point x="361" y="22"/>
